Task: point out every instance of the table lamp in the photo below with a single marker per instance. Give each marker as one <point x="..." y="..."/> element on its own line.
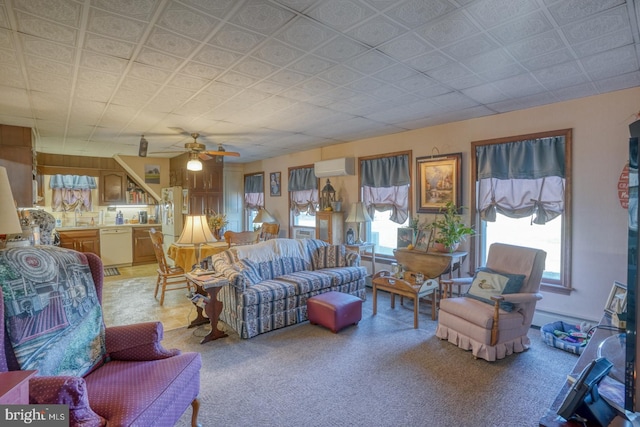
<point x="9" y="221"/>
<point x="358" y="214"/>
<point x="196" y="231"/>
<point x="263" y="216"/>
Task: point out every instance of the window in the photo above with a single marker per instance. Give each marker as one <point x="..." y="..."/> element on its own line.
<point x="253" y="197"/>
<point x="303" y="196"/>
<point x="522" y="192"/>
<point x="385" y="188"/>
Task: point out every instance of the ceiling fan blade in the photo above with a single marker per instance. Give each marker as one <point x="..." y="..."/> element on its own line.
<point x="204" y="156"/>
<point x="222" y="153"/>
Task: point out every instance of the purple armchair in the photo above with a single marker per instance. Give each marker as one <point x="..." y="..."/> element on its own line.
<point x="126" y="379"/>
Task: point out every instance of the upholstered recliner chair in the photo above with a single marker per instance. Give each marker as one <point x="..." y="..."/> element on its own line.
<point x="52" y="322"/>
<point x="493" y="318"/>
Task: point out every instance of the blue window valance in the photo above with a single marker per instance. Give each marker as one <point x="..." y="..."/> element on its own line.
<point x="302" y="179"/>
<point x="73" y="182"/>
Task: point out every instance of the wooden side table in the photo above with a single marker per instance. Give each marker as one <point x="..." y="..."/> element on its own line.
<point x="362" y="248"/>
<point x="213" y="308"/>
<point x="404" y="288"/>
<point x="14" y="387"/>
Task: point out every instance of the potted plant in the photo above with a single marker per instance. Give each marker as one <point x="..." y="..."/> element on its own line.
<point x="449" y="229"/>
<point x="217" y="221"/>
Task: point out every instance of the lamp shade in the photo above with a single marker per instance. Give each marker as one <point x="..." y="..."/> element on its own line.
<point x="358" y="213"/>
<point x="196" y="231"/>
<point x="9" y="221"/>
<point x="263" y="216"/>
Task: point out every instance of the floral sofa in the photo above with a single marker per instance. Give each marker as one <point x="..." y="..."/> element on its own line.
<point x="272" y="280"/>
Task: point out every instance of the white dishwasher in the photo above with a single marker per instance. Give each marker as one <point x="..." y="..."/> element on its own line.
<point x="116" y="246"/>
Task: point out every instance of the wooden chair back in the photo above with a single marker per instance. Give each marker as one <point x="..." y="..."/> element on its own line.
<point x="269" y="230"/>
<point x="157" y="239"/>
<point x="241" y="237"/>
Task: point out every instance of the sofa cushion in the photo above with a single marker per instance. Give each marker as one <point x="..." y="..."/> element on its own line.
<point x="329" y="257"/>
<point x="487" y="283"/>
<point x="281" y="266"/>
<point x="63" y="333"/>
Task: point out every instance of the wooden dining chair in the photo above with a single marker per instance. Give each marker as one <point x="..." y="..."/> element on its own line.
<point x="269" y="230"/>
<point x="241" y="237"/>
<point x="170" y="278"/>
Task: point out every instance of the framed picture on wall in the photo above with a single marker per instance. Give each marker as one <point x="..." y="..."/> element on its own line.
<point x="438" y="182"/>
<point x="274" y="184"/>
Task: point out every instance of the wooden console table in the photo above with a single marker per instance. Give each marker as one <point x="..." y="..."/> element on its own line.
<point x="209" y="287"/>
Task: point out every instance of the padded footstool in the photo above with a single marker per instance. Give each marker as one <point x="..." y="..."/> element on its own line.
<point x="334" y="310"/>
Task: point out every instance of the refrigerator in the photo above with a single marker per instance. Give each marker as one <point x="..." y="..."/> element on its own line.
<point x="171" y="204"/>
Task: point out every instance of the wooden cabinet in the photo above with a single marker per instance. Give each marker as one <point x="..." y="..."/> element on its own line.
<point x="143" y="252"/>
<point x="81" y="240"/>
<point x="117" y="188"/>
<point x="113" y="186"/>
<point x="16" y="155"/>
<point x="206" y="189"/>
<point x="330" y="227"/>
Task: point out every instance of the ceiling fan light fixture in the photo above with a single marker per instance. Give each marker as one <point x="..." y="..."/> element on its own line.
<point x="194" y="164"/>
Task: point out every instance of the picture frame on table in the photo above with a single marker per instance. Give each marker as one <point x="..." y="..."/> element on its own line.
<point x="438" y="182"/>
<point x="423" y="240"/>
<point x="617" y="301"/>
<point x="405" y="237"/>
<point x="274" y="184"/>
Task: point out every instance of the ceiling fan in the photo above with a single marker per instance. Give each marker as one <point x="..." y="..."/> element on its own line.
<point x="194" y="148"/>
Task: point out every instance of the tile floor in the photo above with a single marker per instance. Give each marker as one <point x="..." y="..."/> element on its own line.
<point x="128" y="298"/>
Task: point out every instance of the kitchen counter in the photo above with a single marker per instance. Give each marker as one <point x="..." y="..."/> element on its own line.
<point x="99" y="227"/>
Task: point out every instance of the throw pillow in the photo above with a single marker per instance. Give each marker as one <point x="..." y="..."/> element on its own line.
<point x="249" y="270"/>
<point x="331" y="256"/>
<point x="487" y="283"/>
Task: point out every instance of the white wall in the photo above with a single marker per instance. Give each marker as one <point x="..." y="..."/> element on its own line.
<point x="600" y="136"/>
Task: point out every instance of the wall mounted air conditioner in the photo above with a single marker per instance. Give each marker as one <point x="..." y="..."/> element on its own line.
<point x="335" y="167"/>
<point x="304" y="233"/>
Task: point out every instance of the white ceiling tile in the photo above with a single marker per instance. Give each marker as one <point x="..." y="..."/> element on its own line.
<point x="217" y="8"/>
<point x="536" y="46"/>
<point x="522" y="28"/>
<point x="449" y="72"/>
<point x="450" y="29"/>
<point x="376" y="31"/>
<point x="312" y="65"/>
<point x="47" y="49"/>
<point x="108" y="46"/>
<point x="485" y="94"/>
<point x="474" y="45"/>
<point x="340" y="49"/>
<point x="568" y="11"/>
<point x="236" y="79"/>
<point x="522" y="103"/>
<point x="340" y="75"/>
<point x="262" y="17"/>
<point x="115" y="26"/>
<point x="519" y="86"/>
<point x="236" y="39"/>
<point x="48" y="66"/>
<point x="487" y="61"/>
<point x="277" y="53"/>
<point x="38" y="27"/>
<point x="11" y="76"/>
<point x="203" y="71"/>
<point x="66" y="12"/>
<point x="288" y="77"/>
<point x="139" y="85"/>
<point x="466" y="82"/>
<point x="490" y="13"/>
<point x="255" y="68"/>
<point x="138" y="9"/>
<point x="305" y="34"/>
<point x="189" y="83"/>
<point x="4" y="20"/>
<point x="217" y="57"/>
<point x="340" y="14"/>
<point x="106" y="63"/>
<point x="148" y="73"/>
<point x="171" y="43"/>
<point x="604" y="43"/>
<point x="394" y="73"/>
<point x="548" y="60"/>
<point x="158" y="59"/>
<point x="429" y="61"/>
<point x="414" y="13"/>
<point x="620" y="82"/>
<point x="405" y="47"/>
<point x="597" y="26"/>
<point x="186" y="21"/>
<point x="611" y="63"/>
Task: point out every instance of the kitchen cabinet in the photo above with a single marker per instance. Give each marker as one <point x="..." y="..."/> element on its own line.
<point x="16" y="155"/>
<point x="113" y="186"/>
<point x="81" y="240"/>
<point x="143" y="252"/>
<point x="330" y="227"/>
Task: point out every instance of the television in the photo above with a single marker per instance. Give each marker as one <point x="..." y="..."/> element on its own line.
<point x="632" y="381"/>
